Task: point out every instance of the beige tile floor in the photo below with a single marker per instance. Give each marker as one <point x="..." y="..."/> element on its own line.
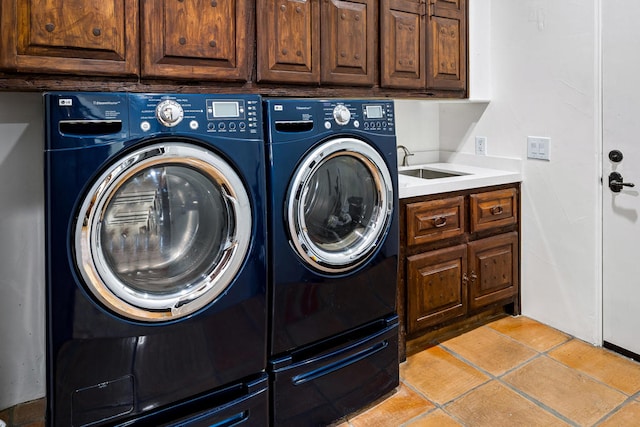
<point x="511" y="372"/>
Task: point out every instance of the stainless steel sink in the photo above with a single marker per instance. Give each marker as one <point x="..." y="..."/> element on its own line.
<point x="428" y="173"/>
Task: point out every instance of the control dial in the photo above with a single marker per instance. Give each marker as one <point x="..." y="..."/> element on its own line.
<point x="169" y="113"/>
<point x="341" y="114"/>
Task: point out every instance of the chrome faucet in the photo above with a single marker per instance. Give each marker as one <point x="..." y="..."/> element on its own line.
<point x="407" y="153"/>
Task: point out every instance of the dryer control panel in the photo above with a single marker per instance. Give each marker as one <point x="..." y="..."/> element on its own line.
<point x="223" y="115"/>
<point x="339" y="115"/>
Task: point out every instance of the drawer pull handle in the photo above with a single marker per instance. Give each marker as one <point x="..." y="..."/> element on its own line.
<point x="496" y="210"/>
<point x="440" y="221"/>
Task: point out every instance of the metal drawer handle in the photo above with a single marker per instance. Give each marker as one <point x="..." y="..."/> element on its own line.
<point x="440" y="221"/>
<point x="496" y="210"/>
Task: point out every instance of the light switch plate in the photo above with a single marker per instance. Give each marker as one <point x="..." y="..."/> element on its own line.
<point x="538" y="147"/>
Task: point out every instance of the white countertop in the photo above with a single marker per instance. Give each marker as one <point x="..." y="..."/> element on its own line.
<point x="475" y="177"/>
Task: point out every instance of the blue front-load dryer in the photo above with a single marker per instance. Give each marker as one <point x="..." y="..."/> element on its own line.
<point x="333" y="245"/>
<point x="155" y="259"/>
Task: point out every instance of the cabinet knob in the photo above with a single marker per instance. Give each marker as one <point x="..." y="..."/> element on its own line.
<point x="182" y="40"/>
<point x="214" y="3"/>
<point x="50" y="27"/>
<point x="97" y="32"/>
<point x="213" y="43"/>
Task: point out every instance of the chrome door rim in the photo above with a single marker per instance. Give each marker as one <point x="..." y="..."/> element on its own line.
<point x="133" y="304"/>
<point x="304" y="246"/>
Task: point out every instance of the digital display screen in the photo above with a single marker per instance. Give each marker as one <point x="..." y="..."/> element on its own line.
<point x="374" y="111"/>
<point x="226" y="109"/>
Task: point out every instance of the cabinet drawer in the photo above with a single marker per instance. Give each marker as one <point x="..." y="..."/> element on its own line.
<point x="493" y="209"/>
<point x="434" y="220"/>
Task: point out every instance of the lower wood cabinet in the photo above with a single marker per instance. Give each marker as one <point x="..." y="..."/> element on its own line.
<point x="436" y="287"/>
<point x="459" y="256"/>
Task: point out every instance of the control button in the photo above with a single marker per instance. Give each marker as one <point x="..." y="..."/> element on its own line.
<point x="242" y="125"/>
<point x="341" y="114"/>
<point x="145" y="126"/>
<point x="327" y="125"/>
<point x="211" y="126"/>
<point x="356" y="124"/>
<point x="221" y="125"/>
<point x="193" y="124"/>
<point x="232" y="126"/>
<point x="169" y="113"/>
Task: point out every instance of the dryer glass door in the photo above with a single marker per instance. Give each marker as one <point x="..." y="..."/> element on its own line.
<point x="339" y="205"/>
<point x="163" y="232"/>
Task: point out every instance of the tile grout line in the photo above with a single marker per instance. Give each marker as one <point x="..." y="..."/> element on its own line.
<point x="512" y="388"/>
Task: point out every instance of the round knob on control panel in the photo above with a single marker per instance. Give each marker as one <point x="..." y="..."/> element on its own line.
<point x="341" y="114"/>
<point x="169" y="113"/>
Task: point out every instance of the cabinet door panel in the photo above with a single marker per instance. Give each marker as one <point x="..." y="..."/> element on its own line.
<point x="197" y="39"/>
<point x="436" y="287"/>
<point x="494" y="269"/>
<point x="403" y="44"/>
<point x="348" y="42"/>
<point x="288" y="43"/>
<point x="447" y="58"/>
<point x="77" y="36"/>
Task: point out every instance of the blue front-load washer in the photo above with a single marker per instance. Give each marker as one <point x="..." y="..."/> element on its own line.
<point x="155" y="259"/>
<point x="333" y="245"/>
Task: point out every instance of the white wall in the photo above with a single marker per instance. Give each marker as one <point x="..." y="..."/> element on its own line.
<point x="544" y="82"/>
<point x="22" y="290"/>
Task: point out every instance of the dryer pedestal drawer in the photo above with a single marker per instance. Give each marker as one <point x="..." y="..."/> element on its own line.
<point x="325" y="387"/>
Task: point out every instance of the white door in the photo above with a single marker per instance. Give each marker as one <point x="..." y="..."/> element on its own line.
<point x="621" y="208"/>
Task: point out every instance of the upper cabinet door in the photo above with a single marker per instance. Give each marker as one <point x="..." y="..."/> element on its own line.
<point x="349" y="42"/>
<point x="288" y="42"/>
<point x="203" y="39"/>
<point x="97" y="37"/>
<point x="447" y="38"/>
<point x="402" y="35"/>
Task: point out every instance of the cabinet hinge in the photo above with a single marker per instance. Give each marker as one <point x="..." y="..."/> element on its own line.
<point x="422" y="9"/>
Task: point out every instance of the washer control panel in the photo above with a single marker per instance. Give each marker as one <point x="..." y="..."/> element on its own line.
<point x="223" y="115"/>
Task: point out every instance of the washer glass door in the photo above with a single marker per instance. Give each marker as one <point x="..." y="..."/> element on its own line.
<point x="339" y="205"/>
<point x="163" y="232"/>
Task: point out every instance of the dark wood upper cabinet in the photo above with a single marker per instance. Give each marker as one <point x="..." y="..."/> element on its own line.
<point x="201" y="39"/>
<point x="424" y="44"/>
<point x="447" y="50"/>
<point x="349" y="42"/>
<point x="343" y="48"/>
<point x="317" y="41"/>
<point x="76" y="36"/>
<point x="403" y="48"/>
<point x="287" y="41"/>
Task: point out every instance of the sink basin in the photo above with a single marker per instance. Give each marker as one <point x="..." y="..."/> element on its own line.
<point x="428" y="173"/>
